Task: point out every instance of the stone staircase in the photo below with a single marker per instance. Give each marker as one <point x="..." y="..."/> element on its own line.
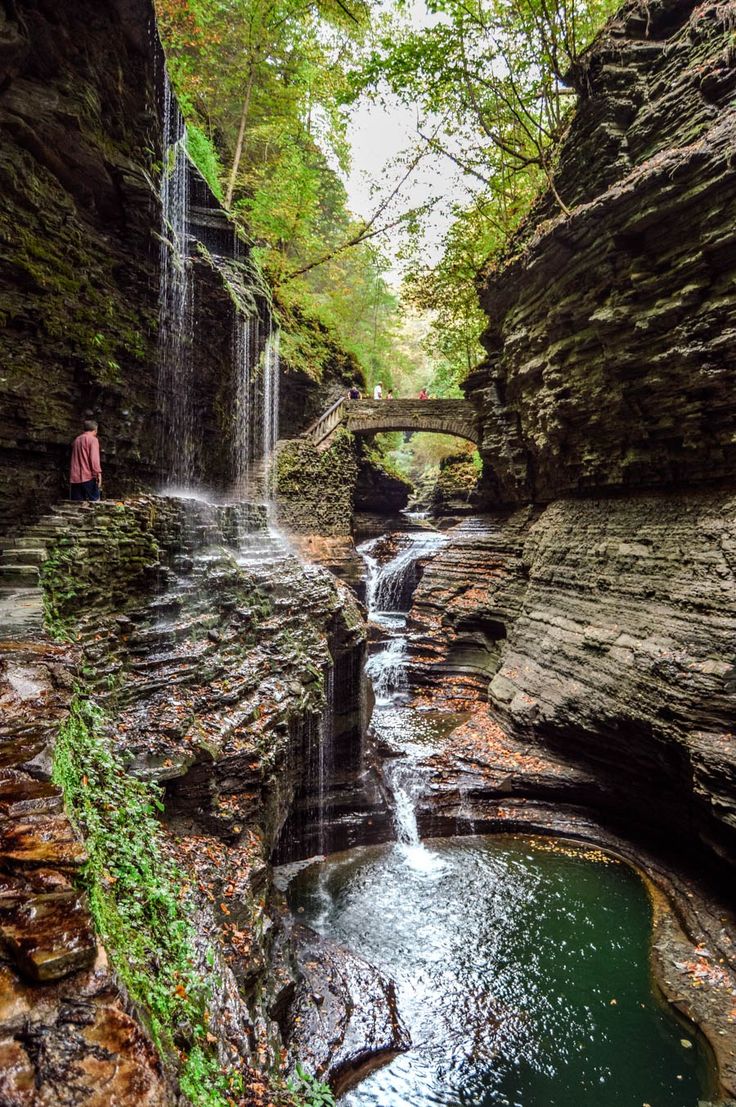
<point x="21" y="557"/>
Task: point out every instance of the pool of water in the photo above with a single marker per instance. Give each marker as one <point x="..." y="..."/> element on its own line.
<point x="522" y="972"/>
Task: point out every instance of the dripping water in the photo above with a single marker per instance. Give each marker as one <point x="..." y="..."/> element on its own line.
<point x="174" y="391"/>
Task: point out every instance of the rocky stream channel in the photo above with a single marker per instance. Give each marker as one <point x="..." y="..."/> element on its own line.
<point x="297" y="789"/>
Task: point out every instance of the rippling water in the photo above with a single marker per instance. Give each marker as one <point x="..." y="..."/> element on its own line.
<point x="522" y="974"/>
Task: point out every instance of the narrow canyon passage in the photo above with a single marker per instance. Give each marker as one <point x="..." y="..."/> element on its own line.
<point x="522" y="964"/>
<point x="367" y="553"/>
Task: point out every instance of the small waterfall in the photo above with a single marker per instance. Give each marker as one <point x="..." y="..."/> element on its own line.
<point x="175" y="302"/>
<point x="405" y="792"/>
<point x="387" y="671"/>
<point x="389" y="590"/>
<point x="246" y="342"/>
<point x="391" y="586"/>
<point x="325" y="753"/>
<point x="270" y="412"/>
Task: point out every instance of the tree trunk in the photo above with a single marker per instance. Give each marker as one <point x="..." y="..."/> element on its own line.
<point x="239" y="143"/>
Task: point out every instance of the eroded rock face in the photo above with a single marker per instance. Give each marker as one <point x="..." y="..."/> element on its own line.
<point x="81" y="111"/>
<point x="612" y="329"/>
<point x="604" y="631"/>
<point x="65" y="1034"/>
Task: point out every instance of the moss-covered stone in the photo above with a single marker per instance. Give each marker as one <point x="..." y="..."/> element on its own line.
<point x="315" y="489"/>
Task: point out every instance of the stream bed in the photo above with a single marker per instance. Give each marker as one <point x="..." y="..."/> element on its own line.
<point x="522" y="965"/>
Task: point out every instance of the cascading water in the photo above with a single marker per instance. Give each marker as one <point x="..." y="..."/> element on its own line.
<point x="325" y="752"/>
<point x="174" y="390"/>
<point x="270" y="409"/>
<point x="246" y="340"/>
<point x="389" y="592"/>
<point x="391" y="586"/>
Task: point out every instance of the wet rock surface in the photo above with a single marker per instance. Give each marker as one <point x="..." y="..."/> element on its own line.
<point x="65" y="1036"/>
<point x="219" y="659"/>
<point x="602" y="632"/>
<point x="343" y="1016"/>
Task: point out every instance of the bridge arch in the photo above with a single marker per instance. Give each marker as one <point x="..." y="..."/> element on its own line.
<point x="455" y="417"/>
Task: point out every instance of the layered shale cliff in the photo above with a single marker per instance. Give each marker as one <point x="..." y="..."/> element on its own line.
<point x="612" y="325"/>
<point x="598" y="606"/>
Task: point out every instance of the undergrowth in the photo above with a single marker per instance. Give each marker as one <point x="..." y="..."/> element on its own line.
<point x="140" y="905"/>
<point x="59" y="590"/>
<point x="138" y="899"/>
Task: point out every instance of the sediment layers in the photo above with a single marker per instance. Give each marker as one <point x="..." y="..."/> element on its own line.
<point x="612" y="324"/>
<point x="603" y="631"/>
<point x="229" y="674"/>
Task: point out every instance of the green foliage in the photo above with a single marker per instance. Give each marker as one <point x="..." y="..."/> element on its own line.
<point x="311" y="1092"/>
<point x="274" y="73"/>
<point x="204" y="155"/>
<point x="138" y="897"/>
<point x="59" y="591"/>
<point x="493" y="85"/>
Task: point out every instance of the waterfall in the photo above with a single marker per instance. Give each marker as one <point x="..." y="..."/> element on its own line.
<point x="270" y="413"/>
<point x="246" y="341"/>
<point x="387" y="671"/>
<point x="176" y="447"/>
<point x="325" y="755"/>
<point x="391" y="586"/>
<point x="405" y="791"/>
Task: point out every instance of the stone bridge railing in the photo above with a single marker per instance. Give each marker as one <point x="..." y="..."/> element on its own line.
<point x="457" y="417"/>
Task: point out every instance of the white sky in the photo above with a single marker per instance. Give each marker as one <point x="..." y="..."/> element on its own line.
<point x="377" y="135"/>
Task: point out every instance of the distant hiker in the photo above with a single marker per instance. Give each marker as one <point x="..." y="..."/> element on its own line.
<point x="378" y="392"/>
<point x="424" y="395"/>
<point x="354" y="393"/>
<point x="390" y="394"/>
<point x="85" y="474"/>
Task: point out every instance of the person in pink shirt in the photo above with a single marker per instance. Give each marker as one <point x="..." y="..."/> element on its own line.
<point x="85" y="474"/>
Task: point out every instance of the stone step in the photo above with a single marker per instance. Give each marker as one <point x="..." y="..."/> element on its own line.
<point x="18" y="576"/>
<point x="27" y="542"/>
<point x="23" y="556"/>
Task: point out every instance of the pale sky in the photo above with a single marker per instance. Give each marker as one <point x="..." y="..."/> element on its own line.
<point x="377" y="135"/>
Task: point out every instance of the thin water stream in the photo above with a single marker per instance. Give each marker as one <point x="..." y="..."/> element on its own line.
<point x="521" y="966"/>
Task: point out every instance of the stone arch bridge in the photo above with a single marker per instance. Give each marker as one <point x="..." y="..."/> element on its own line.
<point x="457" y="417"/>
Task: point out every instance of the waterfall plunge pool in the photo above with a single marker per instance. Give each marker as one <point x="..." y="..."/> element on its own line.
<point x="522" y="974"/>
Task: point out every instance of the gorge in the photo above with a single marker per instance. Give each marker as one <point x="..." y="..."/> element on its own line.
<point x="301" y="790"/>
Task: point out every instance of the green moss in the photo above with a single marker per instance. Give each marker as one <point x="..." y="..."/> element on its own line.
<point x="138" y="897"/>
<point x="204" y="155"/>
<point x="309" y="347"/>
<point x="60" y="590"/>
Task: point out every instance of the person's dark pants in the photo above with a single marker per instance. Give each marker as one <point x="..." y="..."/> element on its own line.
<point x="87" y="490"/>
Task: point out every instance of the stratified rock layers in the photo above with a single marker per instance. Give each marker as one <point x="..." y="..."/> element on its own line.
<point x="612" y="328"/>
<point x="605" y="631"/>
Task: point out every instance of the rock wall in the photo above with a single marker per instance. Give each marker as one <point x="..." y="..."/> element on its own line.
<point x="81" y="109"/>
<point x="221" y="669"/>
<point x="315" y="489"/>
<point x="612" y="326"/>
<point x="603" y="631"/>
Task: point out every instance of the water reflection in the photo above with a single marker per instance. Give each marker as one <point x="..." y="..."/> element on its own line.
<point x="522" y="974"/>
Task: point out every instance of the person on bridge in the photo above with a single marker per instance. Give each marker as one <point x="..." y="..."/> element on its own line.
<point x="378" y="392"/>
<point x="85" y="473"/>
<point x="354" y="392"/>
<point x="423" y="394"/>
<point x="390" y="394"/>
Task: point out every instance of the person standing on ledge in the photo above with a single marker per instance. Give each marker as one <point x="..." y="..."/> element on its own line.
<point x="378" y="392"/>
<point x="85" y="474"/>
